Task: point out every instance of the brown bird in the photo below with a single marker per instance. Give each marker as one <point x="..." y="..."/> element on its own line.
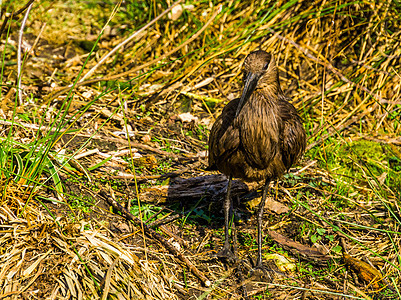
<point x="256" y="137"/>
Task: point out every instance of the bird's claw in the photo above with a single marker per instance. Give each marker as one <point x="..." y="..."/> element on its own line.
<point x="261" y="271"/>
<point x="226" y="254"/>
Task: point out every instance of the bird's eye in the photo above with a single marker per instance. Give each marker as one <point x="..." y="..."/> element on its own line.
<point x="265" y="66"/>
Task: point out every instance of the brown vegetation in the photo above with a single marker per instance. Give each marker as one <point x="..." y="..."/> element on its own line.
<point x="333" y="225"/>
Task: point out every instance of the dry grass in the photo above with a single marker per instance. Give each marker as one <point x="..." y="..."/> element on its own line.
<point x="51" y="258"/>
<point x="340" y="64"/>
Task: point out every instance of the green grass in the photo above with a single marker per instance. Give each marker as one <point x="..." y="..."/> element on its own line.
<point x="352" y="190"/>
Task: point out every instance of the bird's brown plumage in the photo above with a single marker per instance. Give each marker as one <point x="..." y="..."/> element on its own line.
<point x="266" y="137"/>
<point x="258" y="136"/>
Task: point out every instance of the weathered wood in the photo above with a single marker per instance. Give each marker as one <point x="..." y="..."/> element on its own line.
<point x="179" y="189"/>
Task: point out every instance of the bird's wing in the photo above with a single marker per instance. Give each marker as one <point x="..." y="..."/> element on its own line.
<point x="293" y="139"/>
<point x="224" y="137"/>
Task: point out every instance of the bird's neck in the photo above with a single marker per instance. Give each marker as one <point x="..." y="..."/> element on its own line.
<point x="271" y="91"/>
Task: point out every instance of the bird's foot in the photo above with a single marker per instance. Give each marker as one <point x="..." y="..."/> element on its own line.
<point x="262" y="272"/>
<point x="226" y="254"/>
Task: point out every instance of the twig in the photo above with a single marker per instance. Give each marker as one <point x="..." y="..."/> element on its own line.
<point x="21" y="32"/>
<point x="327" y="65"/>
<point x="161" y="177"/>
<point x="153" y="234"/>
<point x="342" y="126"/>
<point x="165" y="220"/>
<point x="101" y="61"/>
<point x="102" y="137"/>
<point x="12" y="16"/>
<point x="331" y="133"/>
<point x="141" y="146"/>
<point x="180" y="240"/>
<point x="62" y="90"/>
<point x="37" y="38"/>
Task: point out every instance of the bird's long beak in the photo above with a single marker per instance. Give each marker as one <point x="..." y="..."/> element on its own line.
<point x="251" y="81"/>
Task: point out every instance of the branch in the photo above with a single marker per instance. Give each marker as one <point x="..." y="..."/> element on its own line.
<point x="21" y="32"/>
<point x="12" y="16"/>
<point x="127" y="40"/>
<point x="328" y="66"/>
<point x="153" y="234"/>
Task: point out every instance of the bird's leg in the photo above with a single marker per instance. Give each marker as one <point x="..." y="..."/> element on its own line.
<point x="226" y="252"/>
<point x="259" y="264"/>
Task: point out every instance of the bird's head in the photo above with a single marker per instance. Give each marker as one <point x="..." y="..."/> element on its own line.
<point x="260" y="72"/>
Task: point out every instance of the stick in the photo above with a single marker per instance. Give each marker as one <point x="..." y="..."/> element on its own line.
<point x="328" y="66"/>
<point x="104" y="58"/>
<point x="136" y="69"/>
<point x="153" y="234"/>
<point x="13" y="16"/>
<point x="21" y="32"/>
